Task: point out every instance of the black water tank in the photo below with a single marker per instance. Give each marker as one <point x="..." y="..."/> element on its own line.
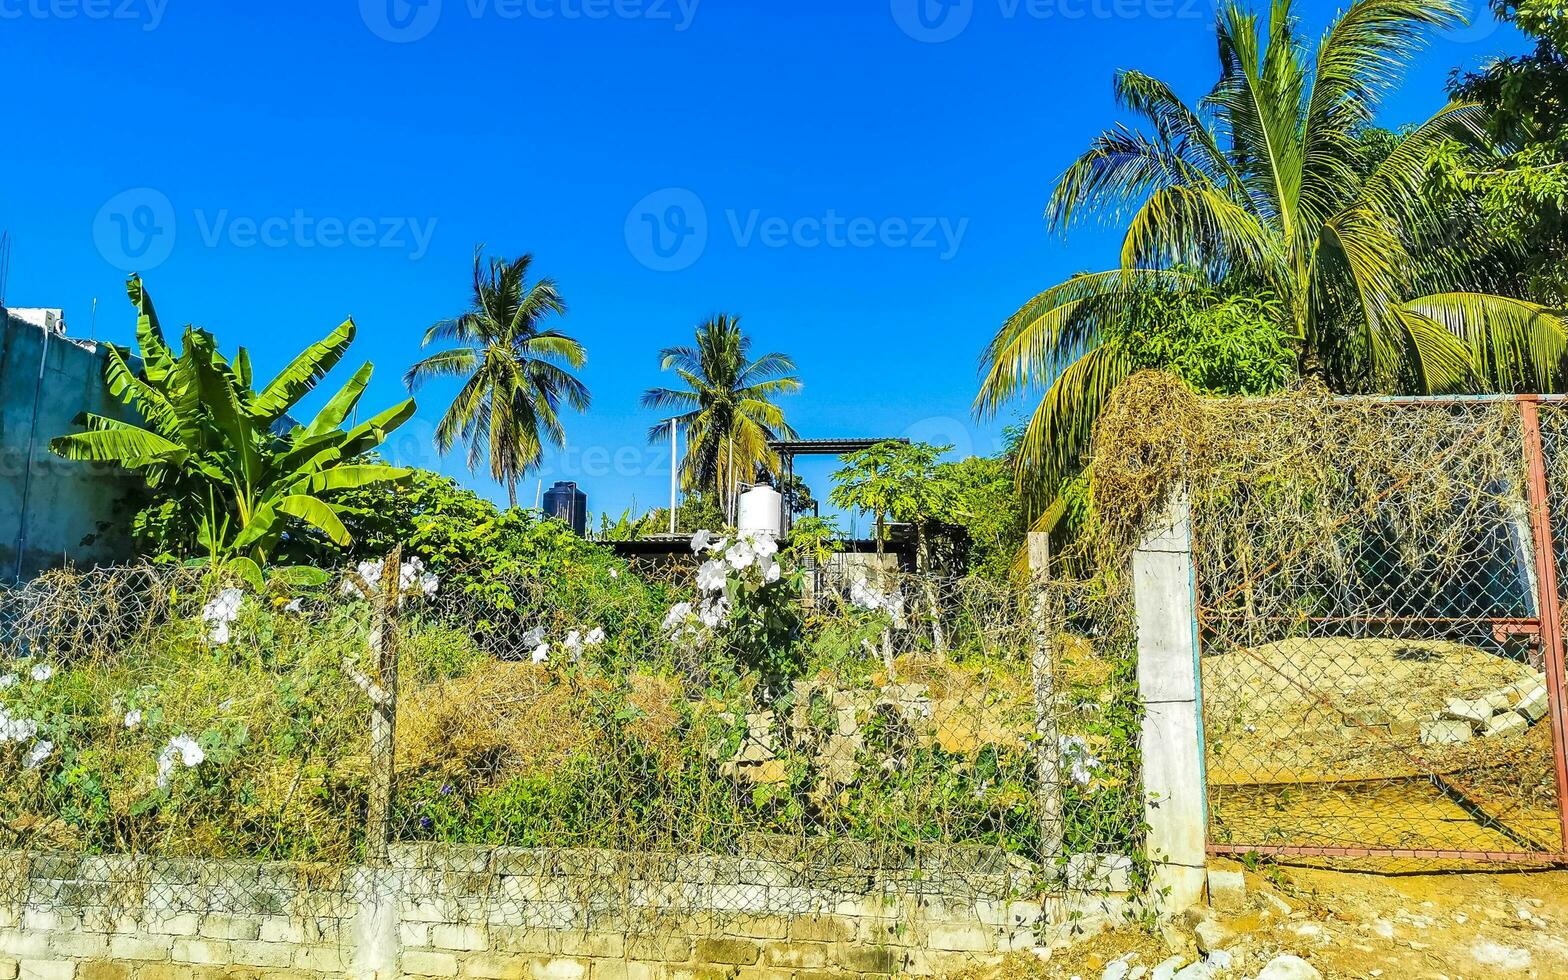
<point x="566" y="502"/>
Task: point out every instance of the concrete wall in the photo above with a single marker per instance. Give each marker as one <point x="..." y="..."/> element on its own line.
<point x="504" y="912"/>
<point x="75" y="513"/>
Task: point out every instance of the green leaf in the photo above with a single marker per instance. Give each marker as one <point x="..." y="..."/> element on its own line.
<point x="302" y="374"/>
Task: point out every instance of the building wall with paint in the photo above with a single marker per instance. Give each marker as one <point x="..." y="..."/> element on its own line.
<point x="54" y="512"/>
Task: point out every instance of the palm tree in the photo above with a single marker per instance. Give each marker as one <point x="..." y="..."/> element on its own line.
<point x="516" y="374"/>
<point x="728" y="411"/>
<point x="1266" y="182"/>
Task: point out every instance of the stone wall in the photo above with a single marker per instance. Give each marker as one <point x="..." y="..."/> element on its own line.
<point x="502" y="913"/>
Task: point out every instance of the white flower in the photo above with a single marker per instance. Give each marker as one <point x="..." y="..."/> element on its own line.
<point x="42" y="672"/>
<point x="295" y="607"/>
<point x="15" y="729"/>
<point x="412" y="580"/>
<point x="132" y="719"/>
<point x="712" y="576"/>
<point x="541" y="653"/>
<point x="764" y="546"/>
<point x="701" y="541"/>
<point x="220" y="612"/>
<point x="740" y="554"/>
<point x="574" y="644"/>
<point x="182" y="749"/>
<point x="8" y="680"/>
<point x="769" y="566"/>
<point x="40" y="752"/>
<point x="615" y="573"/>
<point x="714" y="612"/>
<point x="533" y="637"/>
<point x="678" y="614"/>
<point x="595" y="636"/>
<point x="1076" y="756"/>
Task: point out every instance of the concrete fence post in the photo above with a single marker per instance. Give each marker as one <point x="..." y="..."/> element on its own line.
<point x="1042" y="669"/>
<point x="1168" y="682"/>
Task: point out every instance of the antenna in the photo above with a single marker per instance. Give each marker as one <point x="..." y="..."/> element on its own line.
<point x="5" y="264"/>
<point x="92" y="331"/>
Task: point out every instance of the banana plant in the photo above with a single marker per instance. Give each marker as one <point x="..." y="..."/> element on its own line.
<point x="233" y="473"/>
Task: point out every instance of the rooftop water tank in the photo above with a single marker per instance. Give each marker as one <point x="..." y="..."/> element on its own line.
<point x="565" y="502"/>
<point x="760" y="511"/>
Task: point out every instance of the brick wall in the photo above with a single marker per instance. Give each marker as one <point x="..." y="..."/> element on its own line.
<point x="504" y="913"/>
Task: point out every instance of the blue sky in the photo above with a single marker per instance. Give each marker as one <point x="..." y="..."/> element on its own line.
<point x="863" y="185"/>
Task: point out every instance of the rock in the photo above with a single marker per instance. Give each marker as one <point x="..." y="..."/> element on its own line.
<point x="759" y="745"/>
<point x="1502" y="700"/>
<point x="1289" y="968"/>
<point x="1273" y="901"/>
<point x="1503" y="957"/>
<point x="1200" y="970"/>
<point x="1099" y="872"/>
<point x="1505" y="724"/>
<point x="1210" y="935"/>
<point x="1474" y="712"/>
<point x="1118" y="969"/>
<point x="1532" y="705"/>
<point x="1167" y="970"/>
<point x="1222" y="959"/>
<point x="1450" y="732"/>
<point x="1227" y="891"/>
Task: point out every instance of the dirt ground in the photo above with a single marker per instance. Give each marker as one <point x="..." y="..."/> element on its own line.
<point x="1345" y="925"/>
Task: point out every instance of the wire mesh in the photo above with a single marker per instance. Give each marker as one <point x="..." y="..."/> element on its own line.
<point x="1372" y="659"/>
<point x="608" y="751"/>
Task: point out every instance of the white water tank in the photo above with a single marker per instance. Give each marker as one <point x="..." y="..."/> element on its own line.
<point x="760" y="512"/>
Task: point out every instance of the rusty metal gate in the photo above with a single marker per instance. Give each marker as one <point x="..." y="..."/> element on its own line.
<point x="1380" y="622"/>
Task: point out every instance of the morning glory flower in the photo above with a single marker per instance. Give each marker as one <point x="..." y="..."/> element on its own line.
<point x="132" y="719"/>
<point x="712" y="576"/>
<point x="42" y="672"/>
<point x="1076" y="756"/>
<point x="595" y="636"/>
<point x="41" y="751"/>
<point x="678" y="614"/>
<point x="533" y="637"/>
<point x="8" y="680"/>
<point x="701" y="541"/>
<point x="541" y="653"/>
<point x="221" y="612"/>
<point x="182" y="749"/>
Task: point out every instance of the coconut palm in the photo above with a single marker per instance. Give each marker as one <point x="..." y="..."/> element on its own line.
<point x="1266" y="181"/>
<point x="727" y="408"/>
<point x="516" y="374"/>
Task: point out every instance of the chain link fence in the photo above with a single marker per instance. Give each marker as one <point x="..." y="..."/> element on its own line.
<point x="638" y="748"/>
<point x="1375" y="652"/>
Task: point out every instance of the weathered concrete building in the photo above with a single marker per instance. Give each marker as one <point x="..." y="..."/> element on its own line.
<point x="54" y="512"/>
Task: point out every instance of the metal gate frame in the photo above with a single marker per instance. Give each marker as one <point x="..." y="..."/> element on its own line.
<point x="1547" y="626"/>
